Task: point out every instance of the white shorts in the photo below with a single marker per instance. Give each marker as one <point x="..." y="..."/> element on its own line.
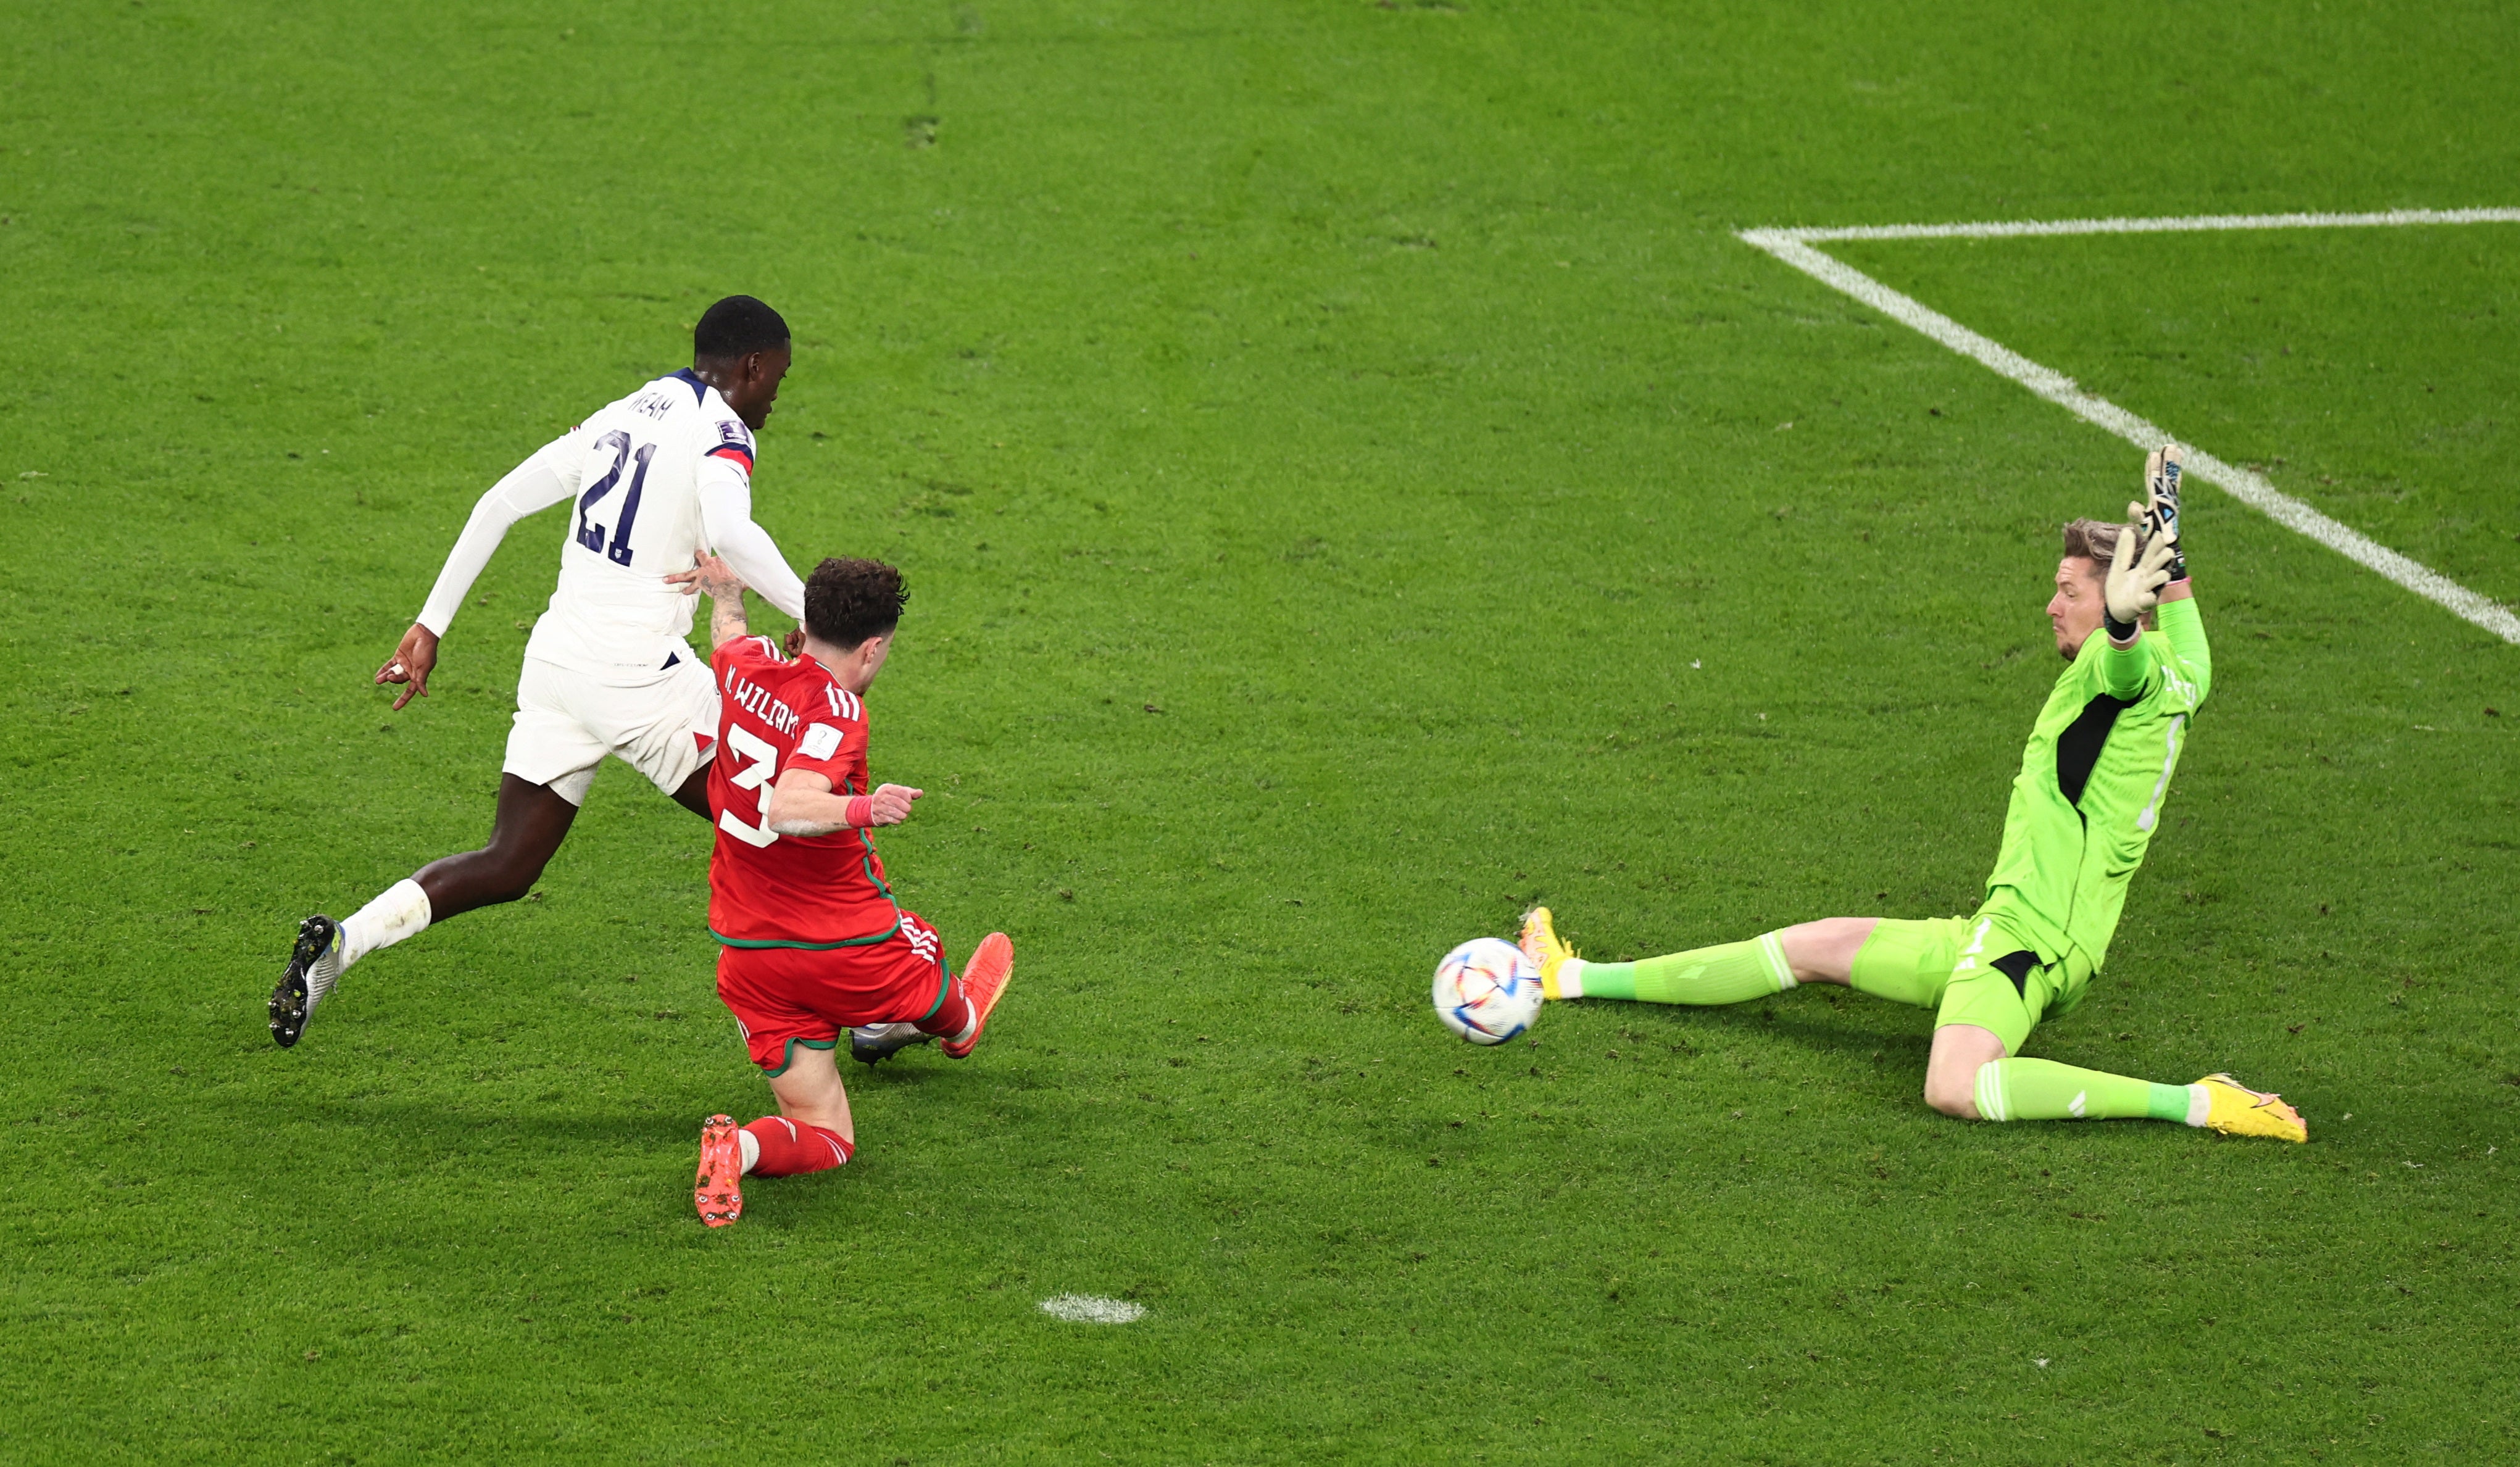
<point x="663" y="725"/>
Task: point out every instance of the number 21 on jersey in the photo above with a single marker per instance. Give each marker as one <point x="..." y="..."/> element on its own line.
<point x="761" y="763"/>
<point x="591" y="536"/>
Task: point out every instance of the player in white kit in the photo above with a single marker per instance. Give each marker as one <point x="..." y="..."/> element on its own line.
<point x="657" y="479"/>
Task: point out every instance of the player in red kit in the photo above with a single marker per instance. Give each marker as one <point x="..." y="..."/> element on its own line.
<point x="812" y="943"/>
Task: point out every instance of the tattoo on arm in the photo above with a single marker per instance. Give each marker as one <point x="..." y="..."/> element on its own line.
<point x="726" y="619"/>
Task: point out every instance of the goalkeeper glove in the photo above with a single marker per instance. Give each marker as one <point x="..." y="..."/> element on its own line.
<point x="2137" y="570"/>
<point x="2162" y="480"/>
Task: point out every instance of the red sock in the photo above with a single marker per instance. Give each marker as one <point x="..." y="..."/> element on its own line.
<point x="951" y="1016"/>
<point x="790" y="1147"/>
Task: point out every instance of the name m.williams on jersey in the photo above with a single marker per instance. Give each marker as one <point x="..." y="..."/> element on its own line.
<point x="755" y="699"/>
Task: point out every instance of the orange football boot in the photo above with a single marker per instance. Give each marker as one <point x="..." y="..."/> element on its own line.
<point x="719" y="1192"/>
<point x="984" y="980"/>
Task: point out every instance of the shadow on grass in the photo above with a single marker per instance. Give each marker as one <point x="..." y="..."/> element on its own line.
<point x="1860" y="1024"/>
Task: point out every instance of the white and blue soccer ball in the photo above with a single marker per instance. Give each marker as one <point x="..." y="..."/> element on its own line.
<point x="1486" y="991"/>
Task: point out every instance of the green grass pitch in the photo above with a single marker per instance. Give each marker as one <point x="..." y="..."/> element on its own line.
<point x="1354" y="483"/>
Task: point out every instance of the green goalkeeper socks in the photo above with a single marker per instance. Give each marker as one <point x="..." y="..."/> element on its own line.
<point x="2042" y="1090"/>
<point x="1728" y="973"/>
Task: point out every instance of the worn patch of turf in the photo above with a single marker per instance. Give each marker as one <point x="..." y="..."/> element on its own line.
<point x="1354" y="484"/>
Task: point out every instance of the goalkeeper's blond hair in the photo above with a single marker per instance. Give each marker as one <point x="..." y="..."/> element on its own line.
<point x="2096" y="541"/>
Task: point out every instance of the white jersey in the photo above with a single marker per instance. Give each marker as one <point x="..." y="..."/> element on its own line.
<point x="655" y="477"/>
<point x="636" y="467"/>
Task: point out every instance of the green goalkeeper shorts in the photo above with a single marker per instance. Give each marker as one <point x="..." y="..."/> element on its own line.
<point x="1969" y="970"/>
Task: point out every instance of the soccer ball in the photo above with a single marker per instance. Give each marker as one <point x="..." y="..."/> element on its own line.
<point x="1486" y="991"/>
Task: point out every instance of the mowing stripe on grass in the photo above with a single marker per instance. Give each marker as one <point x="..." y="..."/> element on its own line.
<point x="2249" y="487"/>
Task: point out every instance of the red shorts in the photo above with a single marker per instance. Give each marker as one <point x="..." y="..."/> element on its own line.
<point x="785" y="996"/>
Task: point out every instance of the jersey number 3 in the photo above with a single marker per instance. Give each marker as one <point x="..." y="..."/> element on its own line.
<point x="592" y="535"/>
<point x="762" y="762"/>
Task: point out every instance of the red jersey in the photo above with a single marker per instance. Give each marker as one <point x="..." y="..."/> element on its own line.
<point x="768" y="890"/>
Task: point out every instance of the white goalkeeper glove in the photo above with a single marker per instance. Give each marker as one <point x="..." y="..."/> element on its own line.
<point x="2135" y="576"/>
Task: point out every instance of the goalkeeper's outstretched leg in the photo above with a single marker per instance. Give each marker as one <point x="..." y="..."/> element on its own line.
<point x="1821" y="952"/>
<point x="1989" y="995"/>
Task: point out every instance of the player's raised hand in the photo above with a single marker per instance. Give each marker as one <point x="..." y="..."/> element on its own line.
<point x="411" y="664"/>
<point x="2163" y="477"/>
<point x="890" y="805"/>
<point x="2135" y="575"/>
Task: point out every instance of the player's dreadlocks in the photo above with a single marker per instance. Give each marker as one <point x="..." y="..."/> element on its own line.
<point x="736" y="327"/>
<point x="848" y="601"/>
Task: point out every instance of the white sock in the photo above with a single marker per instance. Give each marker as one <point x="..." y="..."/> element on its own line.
<point x="2200" y="1104"/>
<point x="751" y="1146"/>
<point x="1570" y="978"/>
<point x="402" y="912"/>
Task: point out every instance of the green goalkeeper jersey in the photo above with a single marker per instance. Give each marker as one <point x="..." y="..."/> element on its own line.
<point x="2093" y="780"/>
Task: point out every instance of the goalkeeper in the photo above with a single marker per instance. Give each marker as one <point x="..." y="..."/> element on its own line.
<point x="2085" y="806"/>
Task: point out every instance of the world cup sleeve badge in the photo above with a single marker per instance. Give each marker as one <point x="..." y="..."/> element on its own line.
<point x="734" y="442"/>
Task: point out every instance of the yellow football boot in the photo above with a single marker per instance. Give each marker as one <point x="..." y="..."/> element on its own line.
<point x="2238" y="1110"/>
<point x="1541" y="945"/>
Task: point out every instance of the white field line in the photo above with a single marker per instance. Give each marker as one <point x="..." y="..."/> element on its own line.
<point x="1092" y="1308"/>
<point x="2189" y="224"/>
<point x="2246" y="485"/>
